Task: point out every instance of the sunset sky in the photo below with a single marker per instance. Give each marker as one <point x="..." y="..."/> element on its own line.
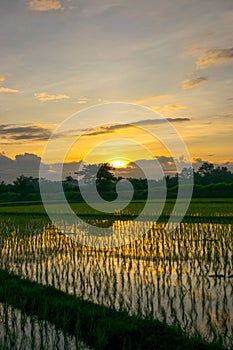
<point x="58" y="57"/>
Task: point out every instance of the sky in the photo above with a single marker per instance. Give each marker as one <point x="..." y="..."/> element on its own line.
<point x="61" y="56"/>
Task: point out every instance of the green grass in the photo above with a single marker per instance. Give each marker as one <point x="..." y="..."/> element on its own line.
<point x="199" y="210"/>
<point x="100" y="327"/>
<point x="203" y="206"/>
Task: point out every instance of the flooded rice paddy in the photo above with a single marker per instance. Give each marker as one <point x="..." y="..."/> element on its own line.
<point x="184" y="277"/>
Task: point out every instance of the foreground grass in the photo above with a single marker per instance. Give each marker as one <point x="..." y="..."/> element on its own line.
<point x="98" y="326"/>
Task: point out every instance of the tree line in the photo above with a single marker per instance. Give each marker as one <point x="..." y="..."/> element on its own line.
<point x="209" y="182"/>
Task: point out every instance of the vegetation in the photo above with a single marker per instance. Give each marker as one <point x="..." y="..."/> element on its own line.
<point x="199" y="209"/>
<point x="209" y="182"/>
<point x="99" y="326"/>
<point x="160" y="291"/>
<point x="183" y="279"/>
<point x="21" y="331"/>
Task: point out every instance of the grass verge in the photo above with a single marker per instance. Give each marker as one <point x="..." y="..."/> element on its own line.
<point x="98" y="326"/>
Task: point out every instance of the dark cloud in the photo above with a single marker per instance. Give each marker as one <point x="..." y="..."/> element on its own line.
<point x="153" y="167"/>
<point x="24" y="164"/>
<point x="24" y="132"/>
<point x="112" y="128"/>
<point x="159" y="121"/>
<point x="215" y="56"/>
<point x="190" y="83"/>
<point x="28" y="164"/>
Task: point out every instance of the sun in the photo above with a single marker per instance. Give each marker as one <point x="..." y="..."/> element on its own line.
<point x="118" y="163"/>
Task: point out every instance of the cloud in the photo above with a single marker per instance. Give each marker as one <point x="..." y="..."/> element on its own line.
<point x="96" y="8"/>
<point x="159" y="121"/>
<point x="28" y="164"/>
<point x="24" y="164"/>
<point x="153" y="171"/>
<point x="173" y="107"/>
<point x="2" y="78"/>
<point x="213" y="57"/>
<point x="150" y="98"/>
<point x="106" y="129"/>
<point x="190" y="83"/>
<point x="82" y="100"/>
<point x="24" y="132"/>
<point x="44" y="5"/>
<point x="151" y="122"/>
<point x="43" y="97"/>
<point x="5" y="89"/>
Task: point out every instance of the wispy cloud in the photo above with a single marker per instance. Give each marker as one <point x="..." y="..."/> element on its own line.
<point x="2" y="78"/>
<point x="45" y="5"/>
<point x="190" y="83"/>
<point x="96" y="8"/>
<point x="145" y="122"/>
<point x="159" y="121"/>
<point x="24" y="132"/>
<point x="43" y="97"/>
<point x="168" y="107"/>
<point x="213" y="57"/>
<point x="5" y="89"/>
<point x="82" y="100"/>
<point x="150" y="98"/>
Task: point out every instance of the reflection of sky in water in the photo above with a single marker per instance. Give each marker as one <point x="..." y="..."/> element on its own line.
<point x="181" y="277"/>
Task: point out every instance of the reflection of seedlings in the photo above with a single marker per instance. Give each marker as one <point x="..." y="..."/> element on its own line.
<point x="185" y="290"/>
<point x="220" y="275"/>
<point x="19" y="331"/>
<point x="166" y="276"/>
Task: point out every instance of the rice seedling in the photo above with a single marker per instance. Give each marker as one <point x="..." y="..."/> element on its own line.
<point x="182" y="278"/>
<point x="20" y="331"/>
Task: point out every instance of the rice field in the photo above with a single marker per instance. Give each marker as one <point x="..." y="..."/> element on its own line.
<point x="184" y="278"/>
<point x="20" y="331"/>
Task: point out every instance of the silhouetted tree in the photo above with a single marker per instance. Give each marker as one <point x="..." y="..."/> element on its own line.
<point x="208" y="174"/>
<point x="205" y="169"/>
<point x="25" y="185"/>
<point x="88" y="173"/>
<point x="103" y="177"/>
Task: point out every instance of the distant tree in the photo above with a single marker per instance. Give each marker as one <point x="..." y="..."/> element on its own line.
<point x="205" y="169"/>
<point x="222" y="175"/>
<point x="25" y="185"/>
<point x="69" y="179"/>
<point x="88" y="173"/>
<point x="172" y="181"/>
<point x="3" y="187"/>
<point x="186" y="174"/>
<point x="70" y="184"/>
<point x="208" y="174"/>
<point x="105" y="176"/>
<point x="102" y="176"/>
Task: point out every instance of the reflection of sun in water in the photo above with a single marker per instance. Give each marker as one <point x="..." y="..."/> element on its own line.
<point x="118" y="163"/>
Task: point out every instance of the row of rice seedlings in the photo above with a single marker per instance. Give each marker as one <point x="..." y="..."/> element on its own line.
<point x="19" y="331"/>
<point x="183" y="277"/>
